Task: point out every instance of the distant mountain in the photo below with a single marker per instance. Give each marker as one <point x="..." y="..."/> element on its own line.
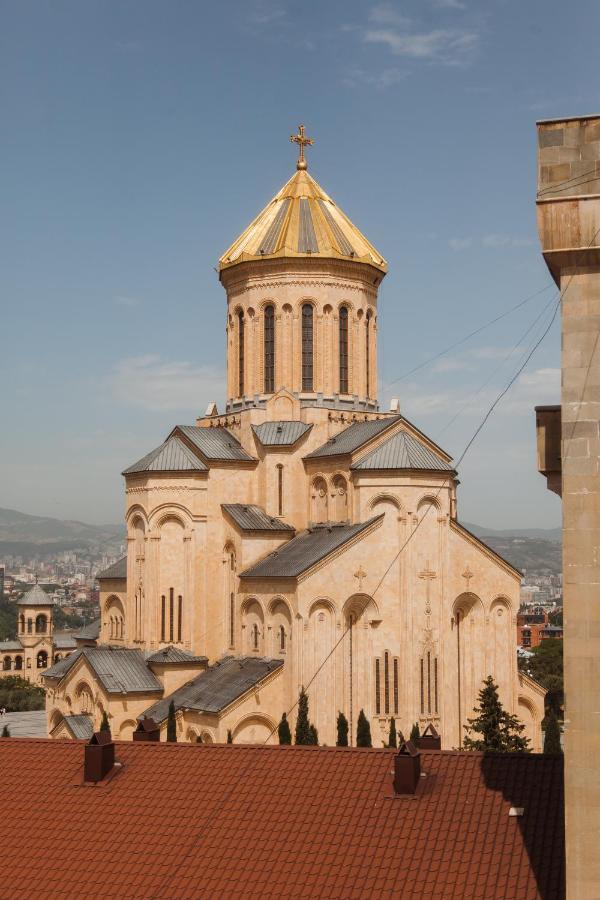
<point x="534" y="551"/>
<point x="540" y="534"/>
<point x="17" y="526"/>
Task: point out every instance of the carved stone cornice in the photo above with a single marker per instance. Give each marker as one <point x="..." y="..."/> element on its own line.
<point x="330" y="282"/>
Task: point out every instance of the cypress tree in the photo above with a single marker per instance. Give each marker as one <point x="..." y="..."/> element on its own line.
<point x="552" y="734"/>
<point x="415" y="734"/>
<point x="303" y="734"/>
<point x="171" y="724"/>
<point x="392" y="737"/>
<point x="500" y="732"/>
<point x="283" y="730"/>
<point x="104" y="724"/>
<point x="363" y="731"/>
<point x="229" y="736"/>
<point x="314" y="735"/>
<point x="342" y="730"/>
<point x="6" y="731"/>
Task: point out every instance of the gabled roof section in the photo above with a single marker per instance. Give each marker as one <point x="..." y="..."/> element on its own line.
<point x="305" y="550"/>
<point x="10" y="645"/>
<point x="353" y="437"/>
<point x="35" y="597"/>
<point x="249" y="517"/>
<point x="174" y="656"/>
<point x="64" y="640"/>
<point x="217" y="687"/>
<point x="117" y="570"/>
<point x="120" y="670"/>
<point x="90" y="632"/>
<point x="172" y="456"/>
<point x="280" y="433"/>
<point x="402" y="451"/>
<point x="302" y="220"/>
<point x="214" y="443"/>
<point x="81" y="727"/>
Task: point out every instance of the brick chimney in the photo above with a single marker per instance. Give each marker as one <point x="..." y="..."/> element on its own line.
<point x="147" y="730"/>
<point x="99" y="757"/>
<point x="407" y="768"/>
<point x="430" y="739"/>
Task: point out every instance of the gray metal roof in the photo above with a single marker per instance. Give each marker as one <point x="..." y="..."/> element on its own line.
<point x="117" y="570"/>
<point x="353" y="437"/>
<point x="173" y="654"/>
<point x="81" y="727"/>
<point x="10" y="645"/>
<point x="281" y="433"/>
<point x="305" y="550"/>
<point x="172" y="456"/>
<point x="217" y="687"/>
<point x="215" y="443"/>
<point x="253" y="518"/>
<point x="89" y="632"/>
<point x="402" y="451"/>
<point x="121" y="670"/>
<point x="35" y="597"/>
<point x="64" y="640"/>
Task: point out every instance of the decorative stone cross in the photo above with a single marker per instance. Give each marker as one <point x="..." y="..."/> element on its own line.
<point x="467" y="575"/>
<point x="303" y="142"/>
<point x="360" y="575"/>
<point x="428" y="575"/>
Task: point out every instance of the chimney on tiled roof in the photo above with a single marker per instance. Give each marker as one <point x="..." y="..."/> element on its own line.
<point x="99" y="756"/>
<point x="430" y="739"/>
<point x="407" y="768"/>
<point x="147" y="730"/>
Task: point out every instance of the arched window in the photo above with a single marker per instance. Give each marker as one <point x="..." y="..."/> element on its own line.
<point x="240" y="316"/>
<point x="18" y="663"/>
<point x="40" y="624"/>
<point x="57" y="658"/>
<point x="7" y="663"/>
<point x="279" y="489"/>
<point x="269" y="349"/>
<point x="307" y="347"/>
<point x="29" y="626"/>
<point x="42" y="659"/>
<point x="368" y="352"/>
<point x="340" y="499"/>
<point x="319" y="512"/>
<point x="21" y="623"/>
<point x="282" y="638"/>
<point x="255" y="636"/>
<point x="344" y="350"/>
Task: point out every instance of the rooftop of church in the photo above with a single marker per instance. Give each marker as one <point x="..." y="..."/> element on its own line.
<point x="267" y="821"/>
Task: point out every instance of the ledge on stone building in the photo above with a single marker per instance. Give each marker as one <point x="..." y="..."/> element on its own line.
<point x="548" y="434"/>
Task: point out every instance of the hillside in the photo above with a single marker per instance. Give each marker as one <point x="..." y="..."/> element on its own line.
<point x="24" y="535"/>
<point x="533" y="551"/>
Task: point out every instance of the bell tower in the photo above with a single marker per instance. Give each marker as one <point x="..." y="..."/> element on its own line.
<point x="301" y="284"/>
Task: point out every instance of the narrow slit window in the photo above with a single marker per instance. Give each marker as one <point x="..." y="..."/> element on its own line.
<point x="344" y="350"/>
<point x="163" y="605"/>
<point x="429" y="682"/>
<point x="179" y="616"/>
<point x="231" y="620"/>
<point x="269" y="348"/>
<point x="307" y="347"/>
<point x="171" y="612"/>
<point x="368" y="352"/>
<point x="240" y="354"/>
<point x="279" y="490"/>
<point x="396" y="687"/>
<point x="281" y="638"/>
<point x="386" y="682"/>
<point x="377" y="687"/>
<point x="422" y="688"/>
<point x="435" y="684"/>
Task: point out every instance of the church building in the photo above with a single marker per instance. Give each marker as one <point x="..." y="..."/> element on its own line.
<point x="301" y="536"/>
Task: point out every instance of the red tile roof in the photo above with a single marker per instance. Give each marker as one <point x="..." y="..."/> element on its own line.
<point x="189" y="820"/>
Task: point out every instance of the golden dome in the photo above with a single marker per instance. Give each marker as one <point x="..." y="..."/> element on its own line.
<point x="302" y="221"/>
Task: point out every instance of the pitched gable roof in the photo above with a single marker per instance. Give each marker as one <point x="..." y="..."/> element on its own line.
<point x="353" y="437"/>
<point x="172" y="456"/>
<point x="217" y="687"/>
<point x="280" y="433"/>
<point x="402" y="451"/>
<point x="120" y="670"/>
<point x="81" y="727"/>
<point x="305" y="550"/>
<point x="117" y="570"/>
<point x="249" y="517"/>
<point x="174" y="656"/>
<point x="214" y="443"/>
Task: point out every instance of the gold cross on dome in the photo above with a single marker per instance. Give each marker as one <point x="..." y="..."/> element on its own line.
<point x="303" y="142"/>
<point x="360" y="575"/>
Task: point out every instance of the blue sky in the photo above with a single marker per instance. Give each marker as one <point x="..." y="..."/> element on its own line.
<point x="139" y="137"/>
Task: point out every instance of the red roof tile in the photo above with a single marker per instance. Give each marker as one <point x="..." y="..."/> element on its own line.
<point x="189" y="820"/>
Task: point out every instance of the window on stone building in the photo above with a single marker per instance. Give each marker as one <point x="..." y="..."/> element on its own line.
<point x="18" y="663"/>
<point x="179" y="616"/>
<point x="22" y="623"/>
<point x="368" y="352"/>
<point x="395" y="686"/>
<point x="378" y="686"/>
<point x="429" y="684"/>
<point x="279" y="489"/>
<point x="29" y="626"/>
<point x="282" y="638"/>
<point x="7" y="663"/>
<point x="240" y="353"/>
<point x="231" y="620"/>
<point x="386" y="682"/>
<point x="344" y="350"/>
<point x="42" y="659"/>
<point x="40" y="624"/>
<point x="163" y="611"/>
<point x="255" y="636"/>
<point x="171" y="613"/>
<point x="307" y="347"/>
<point x="269" y="349"/>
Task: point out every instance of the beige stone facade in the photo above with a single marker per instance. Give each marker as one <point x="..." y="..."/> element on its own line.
<point x="401" y="612"/>
<point x="568" y="208"/>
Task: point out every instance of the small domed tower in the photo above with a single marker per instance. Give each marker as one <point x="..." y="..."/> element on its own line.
<point x="35" y="627"/>
<point x="301" y="285"/>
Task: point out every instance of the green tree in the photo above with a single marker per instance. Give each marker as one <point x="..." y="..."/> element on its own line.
<point x="363" y="731"/>
<point x="171" y="724"/>
<point x="342" y="730"/>
<point x="229" y="736"/>
<point x="6" y="731"/>
<point x="18" y="695"/>
<point x="552" y="734"/>
<point x="392" y="736"/>
<point x="545" y="665"/>
<point x="302" y="734"/>
<point x="499" y="731"/>
<point x="283" y="730"/>
<point x="415" y="734"/>
<point x="104" y="724"/>
<point x="314" y="735"/>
